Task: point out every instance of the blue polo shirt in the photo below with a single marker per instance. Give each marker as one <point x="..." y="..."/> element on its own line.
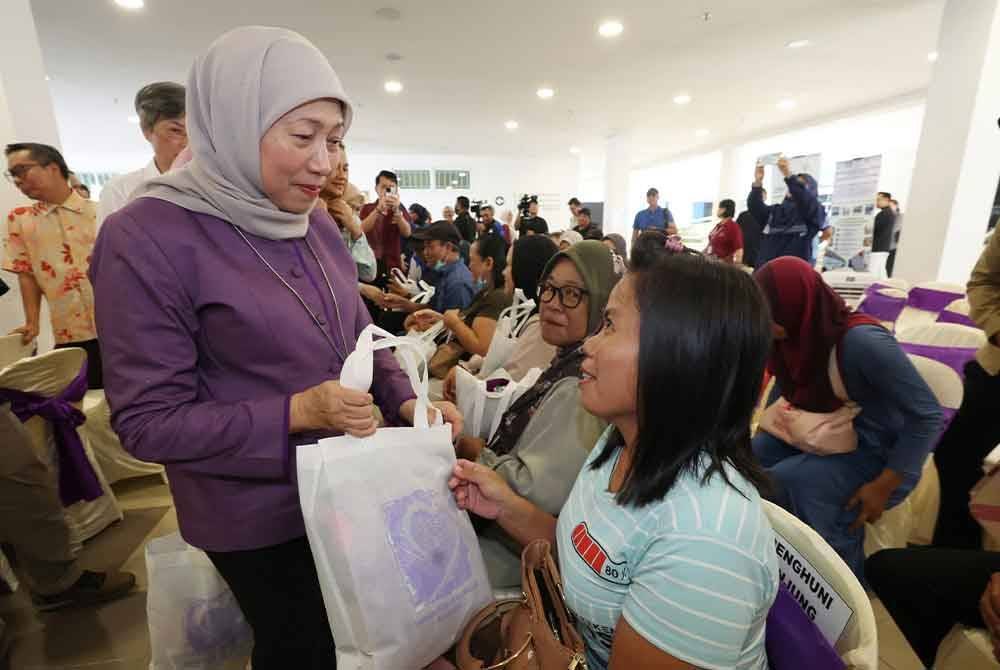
<point x="453" y="287"/>
<point x="657" y="219"/>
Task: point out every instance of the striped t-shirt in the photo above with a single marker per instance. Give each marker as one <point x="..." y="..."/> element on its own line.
<point x="695" y="573"/>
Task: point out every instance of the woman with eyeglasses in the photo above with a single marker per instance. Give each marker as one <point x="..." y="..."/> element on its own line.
<point x="544" y="437"/>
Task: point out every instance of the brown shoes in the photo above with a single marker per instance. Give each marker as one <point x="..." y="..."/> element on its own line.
<point x="92" y="588"/>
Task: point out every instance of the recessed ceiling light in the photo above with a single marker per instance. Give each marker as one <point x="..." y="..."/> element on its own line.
<point x="682" y="99"/>
<point x="545" y="93"/>
<point x="787" y="103"/>
<point x="511" y="125"/>
<point x="574" y="150"/>
<point x="611" y="29"/>
<point x="701" y="132"/>
<point x="393" y="86"/>
<point x="133" y="119"/>
<point x="130" y="4"/>
<point x="797" y="44"/>
<point x="932" y="57"/>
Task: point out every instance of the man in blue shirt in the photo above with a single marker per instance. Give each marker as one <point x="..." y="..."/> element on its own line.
<point x="454" y="287"/>
<point x="653" y="217"/>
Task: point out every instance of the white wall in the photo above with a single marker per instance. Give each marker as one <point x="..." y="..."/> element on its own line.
<point x="680" y="183"/>
<point x="554" y="180"/>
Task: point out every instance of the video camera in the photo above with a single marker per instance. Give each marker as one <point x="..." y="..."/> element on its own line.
<point x="525" y="202"/>
<point x="477" y="206"/>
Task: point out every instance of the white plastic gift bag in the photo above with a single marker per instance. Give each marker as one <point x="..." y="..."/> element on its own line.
<point x="399" y="564"/>
<point x="194" y="620"/>
<point x="483" y="402"/>
<point x="507" y="331"/>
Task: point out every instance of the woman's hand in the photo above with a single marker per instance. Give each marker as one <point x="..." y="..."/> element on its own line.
<point x="873" y="498"/>
<point x="480" y="490"/>
<point x="785" y="167"/>
<point x="469" y="448"/>
<point x="343" y="215"/>
<point x="448" y="391"/>
<point x="449" y="414"/>
<point x="452" y="318"/>
<point x="330" y="406"/>
<point x="425" y="318"/>
<point x="758" y="175"/>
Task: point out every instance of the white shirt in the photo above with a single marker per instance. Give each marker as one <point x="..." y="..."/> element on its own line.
<point x="116" y="192"/>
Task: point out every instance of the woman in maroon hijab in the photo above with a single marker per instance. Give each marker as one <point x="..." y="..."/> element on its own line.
<point x="899" y="421"/>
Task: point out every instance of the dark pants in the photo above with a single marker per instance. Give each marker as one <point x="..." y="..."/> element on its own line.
<point x="959" y="458"/>
<point x="890" y="263"/>
<point x="279" y="593"/>
<point x="928" y="590"/>
<point x="95" y="375"/>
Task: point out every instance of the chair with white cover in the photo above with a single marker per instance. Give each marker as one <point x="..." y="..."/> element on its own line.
<point x="820" y="580"/>
<point x="913" y="520"/>
<point x="49" y="375"/>
<point x="116" y="463"/>
<point x="958" y="312"/>
<point x="926" y="301"/>
<point x="943" y="335"/>
<point x="883" y="303"/>
<point x="12" y="349"/>
<point x="966" y="649"/>
<point x="895" y="282"/>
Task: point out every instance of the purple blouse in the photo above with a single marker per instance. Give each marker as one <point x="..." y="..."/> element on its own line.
<point x="203" y="347"/>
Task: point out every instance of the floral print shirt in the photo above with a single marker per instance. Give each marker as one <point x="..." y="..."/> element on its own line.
<point x="53" y="243"/>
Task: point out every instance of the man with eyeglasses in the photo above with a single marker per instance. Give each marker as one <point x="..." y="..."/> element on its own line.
<point x="161" y="112"/>
<point x="48" y="246"/>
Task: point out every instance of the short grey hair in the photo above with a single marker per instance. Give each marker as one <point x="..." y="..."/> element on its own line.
<point x="157" y="101"/>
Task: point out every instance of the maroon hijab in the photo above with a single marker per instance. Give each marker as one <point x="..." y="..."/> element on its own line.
<point x="816" y="319"/>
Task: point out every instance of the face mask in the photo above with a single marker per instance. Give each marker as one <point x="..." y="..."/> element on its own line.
<point x="480" y="285"/>
<point x="439" y="266"/>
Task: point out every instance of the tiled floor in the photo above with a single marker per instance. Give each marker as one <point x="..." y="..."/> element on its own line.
<point x="114" y="636"/>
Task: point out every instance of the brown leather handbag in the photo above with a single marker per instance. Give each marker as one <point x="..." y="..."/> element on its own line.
<point x="535" y="632"/>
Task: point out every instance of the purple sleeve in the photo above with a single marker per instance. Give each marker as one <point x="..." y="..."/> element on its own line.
<point x="146" y="324"/>
<point x="391" y="387"/>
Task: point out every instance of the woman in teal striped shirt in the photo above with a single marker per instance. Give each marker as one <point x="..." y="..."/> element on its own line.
<point x="666" y="554"/>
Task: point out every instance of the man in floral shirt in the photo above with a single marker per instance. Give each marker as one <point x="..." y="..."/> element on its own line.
<point x="48" y="245"/>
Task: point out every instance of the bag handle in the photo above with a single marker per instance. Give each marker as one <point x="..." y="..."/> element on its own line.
<point x="357" y="371"/>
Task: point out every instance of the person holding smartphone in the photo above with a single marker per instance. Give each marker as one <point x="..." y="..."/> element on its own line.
<point x="386" y="222"/>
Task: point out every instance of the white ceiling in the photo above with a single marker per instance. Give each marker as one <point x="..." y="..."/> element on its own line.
<point x="469" y="66"/>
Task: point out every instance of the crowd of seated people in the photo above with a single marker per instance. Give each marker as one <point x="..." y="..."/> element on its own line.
<point x="221" y="298"/>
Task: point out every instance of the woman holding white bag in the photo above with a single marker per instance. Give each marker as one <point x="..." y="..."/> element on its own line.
<point x="543" y="438"/>
<point x="227" y="304"/>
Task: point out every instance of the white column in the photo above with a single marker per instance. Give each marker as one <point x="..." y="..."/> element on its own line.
<point x="734" y="179"/>
<point x="618" y="164"/>
<point x="956" y="173"/>
<point x="26" y="115"/>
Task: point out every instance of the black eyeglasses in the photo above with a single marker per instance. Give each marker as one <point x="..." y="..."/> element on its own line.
<point x="570" y="297"/>
<point x="18" y="171"/>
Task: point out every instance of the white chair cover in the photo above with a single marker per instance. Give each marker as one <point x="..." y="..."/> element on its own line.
<point x="858" y="643"/>
<point x="48" y="375"/>
<point x="893" y="282"/>
<point x="11" y="349"/>
<point x="887" y="319"/>
<point x="941" y="335"/>
<point x="966" y="649"/>
<point x="116" y="463"/>
<point x="916" y="312"/>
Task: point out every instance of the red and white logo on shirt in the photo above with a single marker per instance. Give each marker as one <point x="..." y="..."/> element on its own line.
<point x="596" y="557"/>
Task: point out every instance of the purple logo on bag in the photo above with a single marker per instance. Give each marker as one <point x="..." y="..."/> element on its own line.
<point x="215" y="624"/>
<point x="424" y="533"/>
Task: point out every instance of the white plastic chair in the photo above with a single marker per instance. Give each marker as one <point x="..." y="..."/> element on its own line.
<point x="116" y="463"/>
<point x="48" y="375"/>
<point x="966" y="649"/>
<point x="12" y="350"/>
<point x="913" y="520"/>
<point x="858" y="643"/>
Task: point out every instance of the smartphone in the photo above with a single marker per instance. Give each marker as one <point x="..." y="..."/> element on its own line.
<point x="391" y="190"/>
<point x="770" y="159"/>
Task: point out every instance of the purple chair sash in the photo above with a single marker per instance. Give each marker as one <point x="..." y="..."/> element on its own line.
<point x="882" y="307"/>
<point x="793" y="641"/>
<point x="932" y="300"/>
<point x="955" y="317"/>
<point x="954" y="357"/>
<point x="77" y="479"/>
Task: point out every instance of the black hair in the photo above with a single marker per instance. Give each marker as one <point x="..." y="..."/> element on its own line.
<point x="652" y="191"/>
<point x="493" y="246"/>
<point x="652" y="244"/>
<point x="391" y="176"/>
<point x="573" y="201"/>
<point x="420" y="214"/>
<point x="621" y="248"/>
<point x="728" y="208"/>
<point x="84" y="186"/>
<point x="885" y="194"/>
<point x="531" y="254"/>
<point x="584" y="210"/>
<point x="157" y="101"/>
<point x="463" y="202"/>
<point x="42" y="154"/>
<point x="704" y="339"/>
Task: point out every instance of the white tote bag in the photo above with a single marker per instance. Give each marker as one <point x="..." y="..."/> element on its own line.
<point x="399" y="564"/>
<point x="482" y="408"/>
<point x="194" y="620"/>
<point x="507" y="331"/>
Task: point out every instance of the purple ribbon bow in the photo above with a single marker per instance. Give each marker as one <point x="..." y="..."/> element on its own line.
<point x="932" y="300"/>
<point x="77" y="479"/>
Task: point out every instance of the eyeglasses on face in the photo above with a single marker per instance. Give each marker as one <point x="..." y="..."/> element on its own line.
<point x="19" y="171"/>
<point x="570" y="297"/>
